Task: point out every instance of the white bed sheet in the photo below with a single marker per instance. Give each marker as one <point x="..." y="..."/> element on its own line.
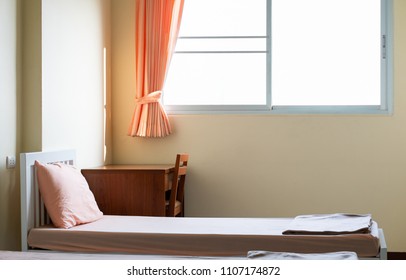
<point x="196" y="237"/>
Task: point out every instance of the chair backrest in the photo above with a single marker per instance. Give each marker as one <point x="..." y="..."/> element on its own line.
<point x="178" y="183"/>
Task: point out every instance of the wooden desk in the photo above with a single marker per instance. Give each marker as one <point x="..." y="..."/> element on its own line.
<point x="137" y="190"/>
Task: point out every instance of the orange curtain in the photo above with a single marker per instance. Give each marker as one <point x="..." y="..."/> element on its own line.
<point x="157" y="28"/>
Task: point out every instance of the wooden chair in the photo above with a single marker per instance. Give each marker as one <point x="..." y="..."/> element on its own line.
<point x="175" y="205"/>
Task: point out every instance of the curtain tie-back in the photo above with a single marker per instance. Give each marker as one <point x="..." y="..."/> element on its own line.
<point x="152" y="97"/>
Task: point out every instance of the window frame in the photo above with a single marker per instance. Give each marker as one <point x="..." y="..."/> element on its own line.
<point x="385" y="108"/>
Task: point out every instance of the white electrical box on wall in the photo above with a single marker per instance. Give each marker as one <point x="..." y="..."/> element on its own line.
<point x="10" y="162"/>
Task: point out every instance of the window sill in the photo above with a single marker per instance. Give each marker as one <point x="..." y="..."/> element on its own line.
<point x="275" y="110"/>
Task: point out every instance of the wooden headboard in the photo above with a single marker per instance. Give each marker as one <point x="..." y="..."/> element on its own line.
<point x="33" y="212"/>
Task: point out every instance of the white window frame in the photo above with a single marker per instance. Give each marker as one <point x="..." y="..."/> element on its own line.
<point x="385" y="108"/>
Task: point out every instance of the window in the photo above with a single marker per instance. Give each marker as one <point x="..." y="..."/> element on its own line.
<point x="282" y="56"/>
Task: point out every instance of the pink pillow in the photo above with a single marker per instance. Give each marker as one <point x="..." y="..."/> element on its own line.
<point x="66" y="195"/>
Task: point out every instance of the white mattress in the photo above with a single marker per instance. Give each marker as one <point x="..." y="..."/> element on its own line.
<point x="196" y="237"/>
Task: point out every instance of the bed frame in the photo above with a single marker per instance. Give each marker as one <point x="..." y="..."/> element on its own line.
<point x="33" y="213"/>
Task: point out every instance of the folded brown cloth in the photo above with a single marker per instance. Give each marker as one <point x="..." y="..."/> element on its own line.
<point x="330" y="224"/>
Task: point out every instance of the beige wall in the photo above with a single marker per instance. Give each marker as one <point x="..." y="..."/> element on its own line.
<point x="52" y="88"/>
<point x="31" y="73"/>
<point x="270" y="165"/>
<point x="9" y="192"/>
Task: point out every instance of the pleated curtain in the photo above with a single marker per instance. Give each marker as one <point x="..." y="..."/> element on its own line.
<point x="157" y="27"/>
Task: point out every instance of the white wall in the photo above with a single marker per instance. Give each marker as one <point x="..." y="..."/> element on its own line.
<point x="270" y="165"/>
<point x="9" y="192"/>
<point x="74" y="35"/>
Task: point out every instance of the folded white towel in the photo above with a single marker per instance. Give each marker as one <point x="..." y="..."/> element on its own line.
<point x="266" y="255"/>
<point x="332" y="224"/>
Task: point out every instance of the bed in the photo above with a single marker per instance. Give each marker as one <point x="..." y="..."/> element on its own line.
<point x="178" y="237"/>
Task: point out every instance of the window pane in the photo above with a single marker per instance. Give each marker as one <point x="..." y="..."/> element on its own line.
<point x="326" y="52"/>
<point x="210" y="79"/>
<point x="225" y="17"/>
